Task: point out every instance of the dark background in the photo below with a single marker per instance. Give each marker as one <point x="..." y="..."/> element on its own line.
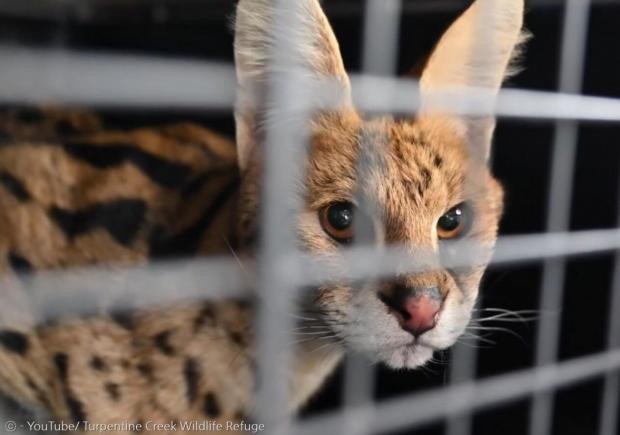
<point x="201" y="29"/>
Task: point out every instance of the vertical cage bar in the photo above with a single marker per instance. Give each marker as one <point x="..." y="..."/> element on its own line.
<point x="379" y="51"/>
<point x="283" y="149"/>
<point x="611" y="388"/>
<point x="462" y="369"/>
<point x="358" y="394"/>
<point x="464" y="356"/>
<point x="381" y="32"/>
<point x="574" y="39"/>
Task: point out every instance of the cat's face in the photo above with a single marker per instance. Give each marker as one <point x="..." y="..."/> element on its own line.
<point x="418" y="184"/>
<point x="421" y="191"/>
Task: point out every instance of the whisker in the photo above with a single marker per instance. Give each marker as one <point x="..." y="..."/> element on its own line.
<point x="473" y="346"/>
<point x="507" y="320"/>
<point x="327" y="331"/>
<point x="339" y="341"/>
<point x="244" y="270"/>
<point x="497" y="328"/>
<point x="472" y="336"/>
<point x="304" y="318"/>
<point x="303" y="327"/>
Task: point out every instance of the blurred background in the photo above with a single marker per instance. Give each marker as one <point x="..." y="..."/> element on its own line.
<point x="202" y="29"/>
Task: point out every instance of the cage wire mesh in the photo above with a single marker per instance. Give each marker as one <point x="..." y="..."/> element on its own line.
<point x="29" y="75"/>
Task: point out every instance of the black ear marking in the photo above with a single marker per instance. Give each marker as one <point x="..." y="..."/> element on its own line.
<point x="14" y="341"/>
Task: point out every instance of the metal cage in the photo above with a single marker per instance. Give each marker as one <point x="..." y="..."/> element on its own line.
<point x="113" y="80"/>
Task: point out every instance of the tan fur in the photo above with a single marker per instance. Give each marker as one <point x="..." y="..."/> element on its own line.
<point x="196" y="361"/>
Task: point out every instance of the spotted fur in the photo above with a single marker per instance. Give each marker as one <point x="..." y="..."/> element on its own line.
<point x="75" y="193"/>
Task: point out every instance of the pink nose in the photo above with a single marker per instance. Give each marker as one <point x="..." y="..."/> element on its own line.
<point x="417" y="311"/>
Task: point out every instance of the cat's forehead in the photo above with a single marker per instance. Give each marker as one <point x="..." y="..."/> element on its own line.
<point x="394" y="161"/>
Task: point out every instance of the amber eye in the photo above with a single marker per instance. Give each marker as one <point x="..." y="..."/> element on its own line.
<point x="453" y="223"/>
<point x="337" y="221"/>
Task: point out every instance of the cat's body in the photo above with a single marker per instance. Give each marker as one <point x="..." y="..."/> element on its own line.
<point x="73" y="193"/>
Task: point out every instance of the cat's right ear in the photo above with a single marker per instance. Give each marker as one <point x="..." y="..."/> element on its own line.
<point x="476" y="52"/>
<point x="314" y="50"/>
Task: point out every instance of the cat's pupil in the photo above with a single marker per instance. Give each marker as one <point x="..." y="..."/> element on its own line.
<point x="340" y="215"/>
<point x="451" y="220"/>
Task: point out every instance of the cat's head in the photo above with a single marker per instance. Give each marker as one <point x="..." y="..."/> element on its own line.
<point x="418" y="183"/>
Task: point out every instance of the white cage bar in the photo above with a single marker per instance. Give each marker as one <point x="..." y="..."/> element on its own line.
<point x="108" y="80"/>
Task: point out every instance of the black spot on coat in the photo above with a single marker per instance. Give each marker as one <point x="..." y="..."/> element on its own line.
<point x="14" y="186"/>
<point x="211" y="406"/>
<point x="202" y="180"/>
<point x="97" y="363"/>
<point x="237" y="338"/>
<point x="162" y="342"/>
<point x="191" y="373"/>
<point x="65" y="127"/>
<point x="187" y="242"/>
<point x="14" y="341"/>
<point x="124" y="318"/>
<point x="145" y="370"/>
<point x="61" y="361"/>
<point x="76" y="408"/>
<point x="30" y="115"/>
<point x="19" y="263"/>
<point x="4" y="137"/>
<point x="121" y="218"/>
<point x="204" y="317"/>
<point x="113" y="390"/>
<point x="161" y="171"/>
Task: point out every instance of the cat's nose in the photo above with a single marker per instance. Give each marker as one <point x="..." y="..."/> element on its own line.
<point x="417" y="310"/>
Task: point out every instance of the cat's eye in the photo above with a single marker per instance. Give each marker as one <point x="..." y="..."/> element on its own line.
<point x="337" y="221"/>
<point x="452" y="224"/>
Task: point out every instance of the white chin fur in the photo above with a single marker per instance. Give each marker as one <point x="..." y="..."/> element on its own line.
<point x="370" y="329"/>
<point x="406" y="357"/>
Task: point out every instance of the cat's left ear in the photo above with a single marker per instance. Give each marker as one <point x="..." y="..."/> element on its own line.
<point x="314" y="51"/>
<point x="476" y="52"/>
